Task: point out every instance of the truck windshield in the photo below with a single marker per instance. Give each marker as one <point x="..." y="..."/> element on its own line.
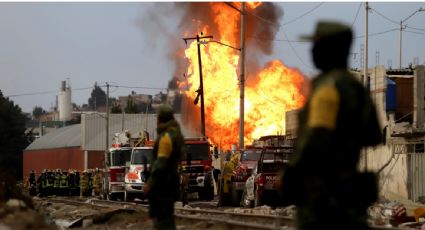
<point x="197" y="151"/>
<point x="120" y="156"/>
<point x="251" y="155"/>
<point x="141" y="156"/>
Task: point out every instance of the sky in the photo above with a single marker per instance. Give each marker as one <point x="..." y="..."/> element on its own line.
<point x="128" y="44"/>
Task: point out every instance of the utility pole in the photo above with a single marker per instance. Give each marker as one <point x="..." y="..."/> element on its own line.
<point x="106" y="184"/>
<point x="401" y="32"/>
<point x="201" y="84"/>
<point x="365" y="74"/>
<point x="242" y="81"/>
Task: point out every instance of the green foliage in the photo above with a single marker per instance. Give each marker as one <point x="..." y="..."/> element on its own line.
<point x="131" y="106"/>
<point x="116" y="108"/>
<point x="38" y="111"/>
<point x="12" y="136"/>
<point x="98" y="97"/>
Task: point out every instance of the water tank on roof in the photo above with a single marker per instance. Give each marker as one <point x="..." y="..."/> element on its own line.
<point x="391" y="96"/>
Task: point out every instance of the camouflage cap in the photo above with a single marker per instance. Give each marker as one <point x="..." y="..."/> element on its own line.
<point x="325" y="29"/>
<point x="165" y="113"/>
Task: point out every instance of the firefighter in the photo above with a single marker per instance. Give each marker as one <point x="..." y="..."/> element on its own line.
<point x="90" y="182"/>
<point x="71" y="182"/>
<point x="56" y="184"/>
<point x="337" y="121"/>
<point x="41" y="183"/>
<point x="32" y="184"/>
<point x="226" y="181"/>
<point x="50" y="180"/>
<point x="96" y="182"/>
<point x="77" y="184"/>
<point x="163" y="184"/>
<point x="63" y="185"/>
<point x="84" y="184"/>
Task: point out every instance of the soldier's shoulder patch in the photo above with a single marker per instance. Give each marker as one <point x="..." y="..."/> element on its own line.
<point x="165" y="146"/>
<point x="324" y="107"/>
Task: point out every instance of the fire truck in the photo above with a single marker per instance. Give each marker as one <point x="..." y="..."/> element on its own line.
<point x="197" y="169"/>
<point x="117" y="162"/>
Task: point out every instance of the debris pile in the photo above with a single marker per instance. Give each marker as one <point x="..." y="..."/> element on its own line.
<point x="16" y="209"/>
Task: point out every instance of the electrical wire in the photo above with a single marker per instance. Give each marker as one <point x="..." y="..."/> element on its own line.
<point x="136" y="87"/>
<point x="414" y="28"/>
<point x="44" y="92"/>
<point x="306" y="13"/>
<point x="414" y="32"/>
<point x="295" y="52"/>
<point x="357" y="14"/>
<point x="263" y="19"/>
<point x="385" y="17"/>
<point x="278" y="40"/>
<point x="378" y="33"/>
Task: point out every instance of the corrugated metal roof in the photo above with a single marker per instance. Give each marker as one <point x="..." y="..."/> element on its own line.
<point x="94" y="126"/>
<point x="69" y="136"/>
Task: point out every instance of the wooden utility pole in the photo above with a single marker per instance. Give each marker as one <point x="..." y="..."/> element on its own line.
<point x="201" y="84"/>
<point x="106" y="182"/>
<point x="365" y="71"/>
<point x="242" y="81"/>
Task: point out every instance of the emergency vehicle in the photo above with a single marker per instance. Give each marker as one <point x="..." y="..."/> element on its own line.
<point x="138" y="172"/>
<point x="197" y="169"/>
<point x="117" y="158"/>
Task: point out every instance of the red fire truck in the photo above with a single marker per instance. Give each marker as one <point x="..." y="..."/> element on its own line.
<point x="115" y="184"/>
<point x="197" y="169"/>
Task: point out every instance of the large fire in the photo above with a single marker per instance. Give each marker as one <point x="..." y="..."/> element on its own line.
<point x="268" y="94"/>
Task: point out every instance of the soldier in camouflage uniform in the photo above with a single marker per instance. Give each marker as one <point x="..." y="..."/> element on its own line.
<point x="164" y="182"/>
<point x="338" y="120"/>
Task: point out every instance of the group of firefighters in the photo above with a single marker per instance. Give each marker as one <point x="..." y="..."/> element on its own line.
<point x="65" y="183"/>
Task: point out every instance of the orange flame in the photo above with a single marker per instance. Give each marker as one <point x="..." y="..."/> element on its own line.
<point x="275" y="89"/>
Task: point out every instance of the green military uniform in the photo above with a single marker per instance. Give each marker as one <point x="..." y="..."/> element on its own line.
<point x="337" y="121"/>
<point x="164" y="181"/>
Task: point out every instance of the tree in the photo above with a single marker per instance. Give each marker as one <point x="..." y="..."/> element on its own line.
<point x="12" y="137"/>
<point x="98" y="97"/>
<point x="38" y="111"/>
<point x="131" y="106"/>
<point x="116" y="108"/>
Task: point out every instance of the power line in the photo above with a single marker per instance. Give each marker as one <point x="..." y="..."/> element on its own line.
<point x="378" y="33"/>
<point x="295" y="52"/>
<point x="415" y="28"/>
<point x="414" y="32"/>
<point x="306" y="13"/>
<point x="357" y="14"/>
<point x="263" y="19"/>
<point x="385" y="17"/>
<point x="136" y="87"/>
<point x="44" y="92"/>
<point x="278" y="40"/>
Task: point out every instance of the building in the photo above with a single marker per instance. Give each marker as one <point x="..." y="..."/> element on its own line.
<point x="82" y="146"/>
<point x="399" y="96"/>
